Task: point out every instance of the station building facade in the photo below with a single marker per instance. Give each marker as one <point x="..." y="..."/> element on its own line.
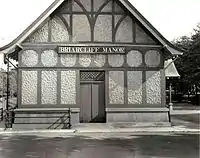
<point x="100" y="58"/>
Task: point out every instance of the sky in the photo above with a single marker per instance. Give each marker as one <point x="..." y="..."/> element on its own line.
<point x="172" y="18"/>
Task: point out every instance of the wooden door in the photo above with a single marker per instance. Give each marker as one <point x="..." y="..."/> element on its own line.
<point x="92" y="102"/>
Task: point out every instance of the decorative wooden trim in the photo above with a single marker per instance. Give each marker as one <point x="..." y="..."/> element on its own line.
<point x="94" y="12"/>
<point x="93" y="68"/>
<point x="54" y="45"/>
<point x="65" y="23"/>
<point x="57" y="109"/>
<point x="71" y="23"/>
<point x="78" y="87"/>
<point x="125" y="88"/>
<point x="19" y="89"/>
<point x="118" y="24"/>
<point x="49" y="30"/>
<point x="85" y="12"/>
<point x="106" y="88"/>
<point x="99" y="11"/>
<point x="91" y="82"/>
<point x="163" y="87"/>
<point x="144" y="93"/>
<point x="58" y="87"/>
<point x="113" y="21"/>
<point x="92" y="20"/>
<point x="134" y="30"/>
<point x="144" y="109"/>
<point x="54" y="106"/>
<point x="135" y="106"/>
<point x="39" y="88"/>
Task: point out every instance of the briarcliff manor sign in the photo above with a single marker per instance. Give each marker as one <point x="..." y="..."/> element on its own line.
<point x="86" y="49"/>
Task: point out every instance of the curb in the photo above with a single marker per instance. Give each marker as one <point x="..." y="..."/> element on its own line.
<point x="143" y="131"/>
<point x="92" y="131"/>
<point x="35" y="131"/>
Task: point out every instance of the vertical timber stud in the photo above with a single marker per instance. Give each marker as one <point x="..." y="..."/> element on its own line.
<point x="134" y="30"/>
<point x="106" y="88"/>
<point x="39" y="92"/>
<point x="19" y="93"/>
<point x="93" y="24"/>
<point x="125" y="82"/>
<point x="58" y="87"/>
<point x="78" y="90"/>
<point x="18" y="78"/>
<point x="50" y="30"/>
<point x="71" y="25"/>
<point x="125" y="89"/>
<point x="144" y="95"/>
<point x="113" y="21"/>
<point x="39" y="89"/>
<point x="163" y="87"/>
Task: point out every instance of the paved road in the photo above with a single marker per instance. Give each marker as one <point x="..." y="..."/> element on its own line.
<point x="99" y="146"/>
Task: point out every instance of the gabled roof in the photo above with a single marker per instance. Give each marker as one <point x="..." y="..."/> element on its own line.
<point x="44" y="16"/>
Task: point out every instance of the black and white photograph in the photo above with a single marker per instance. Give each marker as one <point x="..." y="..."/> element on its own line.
<point x="99" y="79"/>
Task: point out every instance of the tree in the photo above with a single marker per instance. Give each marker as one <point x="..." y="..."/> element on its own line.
<point x="188" y="64"/>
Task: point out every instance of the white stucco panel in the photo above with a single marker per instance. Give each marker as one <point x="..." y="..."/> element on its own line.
<point x="29" y="58"/>
<point x="153" y="87"/>
<point x="134" y="87"/>
<point x="68" y="87"/>
<point x="116" y="87"/>
<point x="29" y="87"/>
<point x="49" y="87"/>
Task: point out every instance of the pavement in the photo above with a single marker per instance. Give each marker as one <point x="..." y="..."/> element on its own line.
<point x="99" y="145"/>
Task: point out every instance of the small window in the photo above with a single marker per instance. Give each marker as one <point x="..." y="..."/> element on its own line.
<point x="92" y="75"/>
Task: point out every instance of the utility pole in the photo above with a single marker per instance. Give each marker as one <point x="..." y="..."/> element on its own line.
<point x="7" y="98"/>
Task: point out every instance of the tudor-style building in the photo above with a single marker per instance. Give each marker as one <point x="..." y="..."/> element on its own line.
<point x="101" y="58"/>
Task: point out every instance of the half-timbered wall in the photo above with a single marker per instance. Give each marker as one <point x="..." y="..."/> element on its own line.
<point x="50" y="79"/>
<point x="91" y="21"/>
<point x="132" y="78"/>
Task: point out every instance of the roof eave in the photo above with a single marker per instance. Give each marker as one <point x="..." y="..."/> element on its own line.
<point x="57" y="3"/>
<point x="31" y="28"/>
<point x="173" y="51"/>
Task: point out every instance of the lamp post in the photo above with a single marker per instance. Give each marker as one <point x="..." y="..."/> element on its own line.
<point x="170" y="72"/>
<point x="170" y="96"/>
<point x="7" y="98"/>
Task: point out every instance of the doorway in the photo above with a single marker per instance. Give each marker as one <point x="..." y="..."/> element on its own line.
<point x="92" y="92"/>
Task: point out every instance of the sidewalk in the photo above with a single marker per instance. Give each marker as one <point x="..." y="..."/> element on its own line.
<point x="128" y="128"/>
<point x="109" y="128"/>
<point x="182" y="121"/>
